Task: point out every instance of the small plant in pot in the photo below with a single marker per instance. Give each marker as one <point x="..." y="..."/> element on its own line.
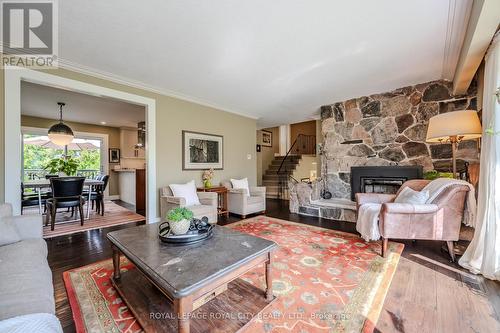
<point x="179" y="220"/>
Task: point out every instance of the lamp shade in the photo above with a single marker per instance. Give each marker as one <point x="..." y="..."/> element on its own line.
<point x="61" y="134"/>
<point x="464" y="124"/>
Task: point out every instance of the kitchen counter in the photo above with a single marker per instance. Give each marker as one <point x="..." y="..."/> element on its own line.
<point x="125" y="170"/>
<point x="132" y="186"/>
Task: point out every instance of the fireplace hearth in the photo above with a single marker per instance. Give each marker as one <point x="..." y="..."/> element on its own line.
<point x="381" y="179"/>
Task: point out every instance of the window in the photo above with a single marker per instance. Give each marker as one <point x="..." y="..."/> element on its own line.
<point x="38" y="150"/>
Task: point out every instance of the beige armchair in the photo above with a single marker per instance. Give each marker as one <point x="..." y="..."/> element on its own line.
<point x="239" y="202"/>
<point x="439" y="220"/>
<point x="207" y="208"/>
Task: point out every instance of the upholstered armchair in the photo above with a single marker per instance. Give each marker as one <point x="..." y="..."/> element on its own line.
<point x="239" y="202"/>
<point x="440" y="220"/>
<point x="207" y="208"/>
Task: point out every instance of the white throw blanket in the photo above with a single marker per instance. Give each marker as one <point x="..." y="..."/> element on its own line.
<point x="368" y="214"/>
<point x="367" y="224"/>
<point x="37" y="322"/>
<point x="439" y="185"/>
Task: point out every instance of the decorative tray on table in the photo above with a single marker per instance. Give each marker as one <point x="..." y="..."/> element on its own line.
<point x="199" y="230"/>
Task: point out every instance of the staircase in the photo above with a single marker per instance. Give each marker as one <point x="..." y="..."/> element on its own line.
<point x="271" y="179"/>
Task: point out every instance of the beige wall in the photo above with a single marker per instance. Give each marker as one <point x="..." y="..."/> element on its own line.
<point x="266" y="155"/>
<point x="2" y="129"/>
<point x="112" y="132"/>
<point x="173" y="116"/>
<point x="303" y="170"/>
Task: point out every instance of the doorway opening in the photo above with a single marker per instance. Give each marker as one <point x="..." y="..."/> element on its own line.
<point x="100" y="119"/>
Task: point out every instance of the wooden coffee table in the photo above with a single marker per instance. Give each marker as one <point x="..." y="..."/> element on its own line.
<point x="189" y="281"/>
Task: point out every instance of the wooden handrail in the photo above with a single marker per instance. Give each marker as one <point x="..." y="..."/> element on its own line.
<point x="306" y="144"/>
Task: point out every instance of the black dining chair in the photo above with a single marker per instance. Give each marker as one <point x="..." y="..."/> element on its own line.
<point x="66" y="193"/>
<point x="97" y="195"/>
<point x="31" y="199"/>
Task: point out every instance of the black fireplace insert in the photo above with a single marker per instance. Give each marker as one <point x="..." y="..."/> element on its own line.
<point x="381" y="179"/>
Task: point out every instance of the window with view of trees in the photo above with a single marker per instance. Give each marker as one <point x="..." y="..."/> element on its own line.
<point x="38" y="151"/>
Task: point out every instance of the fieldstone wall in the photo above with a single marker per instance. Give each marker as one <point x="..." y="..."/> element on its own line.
<point x="392" y="127"/>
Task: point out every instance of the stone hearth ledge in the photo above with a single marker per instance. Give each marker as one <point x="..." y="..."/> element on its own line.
<point x="305" y="200"/>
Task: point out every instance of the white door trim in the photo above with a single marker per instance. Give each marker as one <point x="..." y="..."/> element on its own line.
<point x="14" y="76"/>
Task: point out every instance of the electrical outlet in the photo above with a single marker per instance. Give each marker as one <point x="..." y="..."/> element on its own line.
<point x="249" y="156"/>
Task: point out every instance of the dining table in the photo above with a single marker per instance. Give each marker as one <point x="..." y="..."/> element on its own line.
<point x="39" y="184"/>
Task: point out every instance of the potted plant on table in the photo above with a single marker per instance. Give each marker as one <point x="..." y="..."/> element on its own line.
<point x="63" y="166"/>
<point x="179" y="220"/>
<point x="207" y="178"/>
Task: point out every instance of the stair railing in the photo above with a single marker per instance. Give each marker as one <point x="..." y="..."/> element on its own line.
<point x="303" y="145"/>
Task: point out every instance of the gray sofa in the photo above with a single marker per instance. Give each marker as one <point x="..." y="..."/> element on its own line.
<point x="26" y="290"/>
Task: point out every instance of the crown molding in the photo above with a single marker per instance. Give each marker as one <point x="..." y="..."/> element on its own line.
<point x="66" y="64"/>
<point x="458" y="16"/>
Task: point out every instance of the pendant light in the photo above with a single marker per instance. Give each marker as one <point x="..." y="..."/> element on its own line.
<point x="60" y="133"/>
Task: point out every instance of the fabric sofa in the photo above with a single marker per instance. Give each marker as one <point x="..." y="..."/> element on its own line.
<point x="239" y="202"/>
<point x="26" y="290"/>
<point x="207" y="208"/>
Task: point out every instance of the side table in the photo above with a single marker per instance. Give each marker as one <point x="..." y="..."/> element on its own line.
<point x="221" y="198"/>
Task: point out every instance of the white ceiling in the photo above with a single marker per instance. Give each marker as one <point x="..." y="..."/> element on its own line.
<point x="277" y="61"/>
<point x="41" y="101"/>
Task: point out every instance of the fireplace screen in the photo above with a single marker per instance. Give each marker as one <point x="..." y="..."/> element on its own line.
<point x="381" y="179"/>
<point x="381" y="185"/>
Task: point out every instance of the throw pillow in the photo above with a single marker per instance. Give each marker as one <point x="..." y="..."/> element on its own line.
<point x="241" y="183"/>
<point x="8" y="232"/>
<point x="186" y="191"/>
<point x="408" y="195"/>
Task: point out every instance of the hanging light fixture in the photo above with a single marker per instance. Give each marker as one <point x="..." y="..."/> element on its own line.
<point x="60" y="133"/>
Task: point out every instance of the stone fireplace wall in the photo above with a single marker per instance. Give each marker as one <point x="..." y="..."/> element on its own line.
<point x="392" y="127"/>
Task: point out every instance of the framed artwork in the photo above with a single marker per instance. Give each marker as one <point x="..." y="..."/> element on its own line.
<point x="267" y="138"/>
<point x="258" y="148"/>
<point x="202" y="151"/>
<point x="114" y="155"/>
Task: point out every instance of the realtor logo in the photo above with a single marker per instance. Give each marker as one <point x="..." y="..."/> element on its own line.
<point x="29" y="33"/>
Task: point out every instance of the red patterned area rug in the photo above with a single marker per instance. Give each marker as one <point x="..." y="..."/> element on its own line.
<point x="325" y="281"/>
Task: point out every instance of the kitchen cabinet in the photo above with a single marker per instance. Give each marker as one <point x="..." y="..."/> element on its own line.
<point x="132" y="184"/>
<point x="128" y="142"/>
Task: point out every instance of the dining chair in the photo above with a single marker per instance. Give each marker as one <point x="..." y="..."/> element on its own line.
<point x="67" y="193"/>
<point x="97" y="195"/>
<point x="31" y="200"/>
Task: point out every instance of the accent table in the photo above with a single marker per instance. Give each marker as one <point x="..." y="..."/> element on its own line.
<point x="188" y="276"/>
<point x="221" y="198"/>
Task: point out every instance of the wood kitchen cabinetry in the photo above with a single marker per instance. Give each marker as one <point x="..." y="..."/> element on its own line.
<point x="140" y="191"/>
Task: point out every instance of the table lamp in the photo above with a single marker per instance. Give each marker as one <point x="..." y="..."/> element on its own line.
<point x="454" y="127"/>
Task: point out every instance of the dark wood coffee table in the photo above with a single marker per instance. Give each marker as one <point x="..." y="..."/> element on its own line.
<point x="191" y="278"/>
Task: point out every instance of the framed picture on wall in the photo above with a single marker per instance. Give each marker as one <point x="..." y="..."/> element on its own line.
<point x="202" y="151"/>
<point x="114" y="155"/>
<point x="267" y="138"/>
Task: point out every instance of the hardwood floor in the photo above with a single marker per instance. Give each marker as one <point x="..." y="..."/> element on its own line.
<point x="427" y="294"/>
